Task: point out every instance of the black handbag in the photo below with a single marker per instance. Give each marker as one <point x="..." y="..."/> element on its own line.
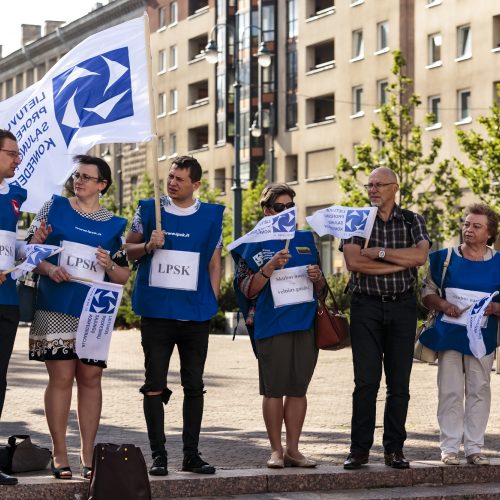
<point x="26" y="291"/>
<point x="21" y="455"/>
<point x="118" y="473"/>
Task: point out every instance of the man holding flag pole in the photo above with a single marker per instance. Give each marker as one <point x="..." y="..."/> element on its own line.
<point x="383" y="318"/>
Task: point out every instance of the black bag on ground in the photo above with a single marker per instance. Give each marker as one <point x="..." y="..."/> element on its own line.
<point x="118" y="473"/>
<point x="21" y="455"/>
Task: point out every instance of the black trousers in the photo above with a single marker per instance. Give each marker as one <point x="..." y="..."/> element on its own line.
<point x="383" y="334"/>
<point x="9" y="319"/>
<point x="159" y="337"/>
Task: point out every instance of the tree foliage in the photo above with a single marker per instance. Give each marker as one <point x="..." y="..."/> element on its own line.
<point x="483" y="152"/>
<point x="425" y="188"/>
<point x="251" y="211"/>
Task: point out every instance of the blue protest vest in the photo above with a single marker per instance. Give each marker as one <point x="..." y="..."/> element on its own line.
<point x="481" y="276"/>
<point x="271" y="321"/>
<point x="67" y="224"/>
<point x="9" y="213"/>
<point x="199" y="232"/>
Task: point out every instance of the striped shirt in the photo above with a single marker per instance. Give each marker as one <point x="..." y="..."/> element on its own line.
<point x="394" y="233"/>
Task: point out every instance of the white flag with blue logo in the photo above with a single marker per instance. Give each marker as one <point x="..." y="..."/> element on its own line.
<point x="34" y="254"/>
<point x="97" y="93"/>
<point x="97" y="320"/>
<point x="272" y="227"/>
<point x="343" y="222"/>
<point x="475" y="316"/>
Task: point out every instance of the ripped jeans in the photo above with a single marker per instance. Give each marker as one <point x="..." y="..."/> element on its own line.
<point x="159" y="337"/>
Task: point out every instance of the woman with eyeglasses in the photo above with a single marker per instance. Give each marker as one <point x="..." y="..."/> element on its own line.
<point x="464" y="393"/>
<point x="91" y="237"/>
<point x="282" y="325"/>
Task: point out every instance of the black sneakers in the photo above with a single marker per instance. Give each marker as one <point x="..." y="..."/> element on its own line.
<point x="159" y="467"/>
<point x="194" y="463"/>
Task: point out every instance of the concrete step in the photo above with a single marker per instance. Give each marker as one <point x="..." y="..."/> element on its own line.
<point x="42" y="486"/>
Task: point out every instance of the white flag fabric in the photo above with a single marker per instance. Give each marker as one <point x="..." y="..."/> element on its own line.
<point x="97" y="320"/>
<point x="272" y="227"/>
<point x="474" y="317"/>
<point x="343" y="222"/>
<point x="97" y="93"/>
<point x="34" y="254"/>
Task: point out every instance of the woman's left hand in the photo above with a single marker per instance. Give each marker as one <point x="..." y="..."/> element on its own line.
<point x="314" y="273"/>
<point x="104" y="258"/>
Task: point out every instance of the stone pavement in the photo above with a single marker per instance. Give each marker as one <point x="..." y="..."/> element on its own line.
<point x="233" y="434"/>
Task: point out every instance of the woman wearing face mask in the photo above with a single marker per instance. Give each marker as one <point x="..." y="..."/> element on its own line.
<point x="464" y="392"/>
<point x="284" y="337"/>
<point x="91" y="238"/>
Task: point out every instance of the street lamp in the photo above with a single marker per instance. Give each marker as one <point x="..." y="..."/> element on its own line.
<point x="256" y="131"/>
<point x="107" y="156"/>
<point x="211" y="53"/>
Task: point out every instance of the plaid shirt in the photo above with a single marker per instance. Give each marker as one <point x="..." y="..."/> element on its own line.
<point x="395" y="233"/>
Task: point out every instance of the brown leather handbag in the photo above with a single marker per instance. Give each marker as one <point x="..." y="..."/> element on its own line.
<point x="118" y="473"/>
<point x="331" y="326"/>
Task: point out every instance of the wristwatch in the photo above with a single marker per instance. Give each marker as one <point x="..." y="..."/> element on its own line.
<point x="381" y="253"/>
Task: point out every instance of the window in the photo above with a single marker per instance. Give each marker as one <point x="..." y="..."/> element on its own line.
<point x="220" y="179"/>
<point x="464" y="97"/>
<point x="291" y="168"/>
<point x="161" y="147"/>
<point x="320" y="163"/>
<point x="162" y="104"/>
<point x="198" y="138"/>
<point x="173" y="11"/>
<point x="320" y="109"/>
<point x="319" y="7"/>
<point x="161" y="18"/>
<point x="198" y="93"/>
<point x="434" y="108"/>
<point x="172" y="144"/>
<point x="321" y="56"/>
<point x="30" y="77"/>
<point x="162" y="61"/>
<point x="291" y="64"/>
<point x="496" y="33"/>
<point x="464" y="42"/>
<point x="357" y="101"/>
<point x="196" y="46"/>
<point x="173" y="57"/>
<point x="383" y="36"/>
<point x="358" y="50"/>
<point x="197" y="7"/>
<point x="434" y="43"/>
<point x="40" y="71"/>
<point x="173" y="101"/>
<point x="382" y="92"/>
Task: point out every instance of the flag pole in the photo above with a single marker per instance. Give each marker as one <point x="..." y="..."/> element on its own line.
<point x="156" y="177"/>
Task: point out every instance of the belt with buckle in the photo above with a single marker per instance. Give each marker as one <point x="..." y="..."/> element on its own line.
<point x="395" y="297"/>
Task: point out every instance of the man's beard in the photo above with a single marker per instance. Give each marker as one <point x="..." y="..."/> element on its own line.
<point x="375" y="203"/>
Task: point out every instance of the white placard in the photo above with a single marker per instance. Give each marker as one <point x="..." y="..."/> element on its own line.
<point x="80" y="261"/>
<point x="463" y="299"/>
<point x="7" y="249"/>
<point x="291" y="286"/>
<point x="175" y="269"/>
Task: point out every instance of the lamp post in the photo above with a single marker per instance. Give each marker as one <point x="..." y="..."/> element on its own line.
<point x="108" y="157"/>
<point x="212" y="56"/>
<point x="256" y="131"/>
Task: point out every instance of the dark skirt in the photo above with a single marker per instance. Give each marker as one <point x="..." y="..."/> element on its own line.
<point x="286" y="363"/>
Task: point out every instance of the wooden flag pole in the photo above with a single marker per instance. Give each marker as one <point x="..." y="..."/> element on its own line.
<point x="287" y="244"/>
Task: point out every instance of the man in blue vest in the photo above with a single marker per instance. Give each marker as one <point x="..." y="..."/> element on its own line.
<point x="11" y="199"/>
<point x="175" y="294"/>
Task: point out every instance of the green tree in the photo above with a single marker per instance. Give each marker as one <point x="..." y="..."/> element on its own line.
<point x="483" y="152"/>
<point x="399" y="147"/>
<point x="251" y="211"/>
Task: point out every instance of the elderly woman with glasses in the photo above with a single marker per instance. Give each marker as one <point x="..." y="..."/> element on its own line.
<point x="471" y="271"/>
<point x="282" y="325"/>
<point x="91" y="237"/>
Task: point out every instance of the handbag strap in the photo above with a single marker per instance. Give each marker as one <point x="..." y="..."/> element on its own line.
<point x="330" y="293"/>
<point x="445" y="268"/>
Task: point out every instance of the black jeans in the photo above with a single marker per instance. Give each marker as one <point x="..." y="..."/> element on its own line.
<point x="159" y="337"/>
<point x="383" y="334"/>
<point x="9" y="319"/>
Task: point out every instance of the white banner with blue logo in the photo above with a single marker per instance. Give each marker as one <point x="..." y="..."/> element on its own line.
<point x="272" y="227"/>
<point x="34" y="254"/>
<point x="343" y="222"/>
<point x="474" y="318"/>
<point x="97" y="320"/>
<point x="97" y="93"/>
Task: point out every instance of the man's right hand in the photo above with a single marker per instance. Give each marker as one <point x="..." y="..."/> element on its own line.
<point x="157" y="240"/>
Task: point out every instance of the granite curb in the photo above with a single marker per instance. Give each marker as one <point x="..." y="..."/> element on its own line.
<point x="259" y="481"/>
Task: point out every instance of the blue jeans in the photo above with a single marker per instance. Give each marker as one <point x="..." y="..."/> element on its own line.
<point x="382" y="334"/>
<point x="159" y="337"/>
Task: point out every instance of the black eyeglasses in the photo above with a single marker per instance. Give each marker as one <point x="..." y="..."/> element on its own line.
<point x="11" y="153"/>
<point x="279" y="207"/>
<point x="377" y="185"/>
<point x="84" y="177"/>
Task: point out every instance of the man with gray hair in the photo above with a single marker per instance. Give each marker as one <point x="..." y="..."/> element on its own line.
<point x="383" y="318"/>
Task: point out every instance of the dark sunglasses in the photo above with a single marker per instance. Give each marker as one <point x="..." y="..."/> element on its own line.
<point x="279" y="207"/>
